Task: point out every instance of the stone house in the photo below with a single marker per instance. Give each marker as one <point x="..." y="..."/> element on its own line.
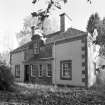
<point x="61" y="60"/>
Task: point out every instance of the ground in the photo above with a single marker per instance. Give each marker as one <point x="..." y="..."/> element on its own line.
<point x="53" y="95"/>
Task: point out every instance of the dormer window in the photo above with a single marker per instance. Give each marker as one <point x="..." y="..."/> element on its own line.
<point x="36" y="47"/>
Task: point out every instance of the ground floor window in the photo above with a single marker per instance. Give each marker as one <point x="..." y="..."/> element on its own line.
<point x="66" y="69"/>
<point x="45" y="70"/>
<point x="34" y="69"/>
<point x="49" y="70"/>
<point x="17" y="71"/>
<point x="40" y="70"/>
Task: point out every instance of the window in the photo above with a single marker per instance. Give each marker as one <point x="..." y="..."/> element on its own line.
<point x="66" y="69"/>
<point x="36" y="47"/>
<point x="49" y="70"/>
<point x="34" y="69"/>
<point x="40" y="70"/>
<point x="17" y="71"/>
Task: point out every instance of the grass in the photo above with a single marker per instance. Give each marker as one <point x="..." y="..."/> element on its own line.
<point x="53" y="95"/>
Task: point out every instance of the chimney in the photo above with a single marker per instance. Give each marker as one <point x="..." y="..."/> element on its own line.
<point x="32" y="30"/>
<point x="34" y="35"/>
<point x="62" y="22"/>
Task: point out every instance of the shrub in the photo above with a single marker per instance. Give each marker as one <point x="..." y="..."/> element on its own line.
<point x="100" y="82"/>
<point x="6" y="78"/>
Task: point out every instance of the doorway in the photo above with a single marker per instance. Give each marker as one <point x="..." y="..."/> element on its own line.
<point x="26" y="73"/>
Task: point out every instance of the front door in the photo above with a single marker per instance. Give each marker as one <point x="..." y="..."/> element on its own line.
<point x="26" y="73"/>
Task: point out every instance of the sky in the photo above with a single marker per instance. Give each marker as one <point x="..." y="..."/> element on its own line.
<point x="13" y="12"/>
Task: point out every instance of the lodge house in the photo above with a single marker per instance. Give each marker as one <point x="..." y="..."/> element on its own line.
<point x="61" y="60"/>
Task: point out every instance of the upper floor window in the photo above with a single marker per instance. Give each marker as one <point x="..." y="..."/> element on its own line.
<point x="36" y="47"/>
<point x="66" y="69"/>
<point x="49" y="70"/>
<point x="17" y="71"/>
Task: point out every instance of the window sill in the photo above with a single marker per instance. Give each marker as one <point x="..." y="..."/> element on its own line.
<point x="17" y="76"/>
<point x="33" y="76"/>
<point x="64" y="78"/>
<point x="44" y="77"/>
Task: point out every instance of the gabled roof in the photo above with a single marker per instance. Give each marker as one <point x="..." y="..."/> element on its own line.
<point x="70" y="33"/>
<point x="21" y="48"/>
<point x="53" y="34"/>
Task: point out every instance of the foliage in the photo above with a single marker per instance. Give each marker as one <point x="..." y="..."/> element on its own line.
<point x="43" y="14"/>
<point x="53" y="95"/>
<point x="6" y="78"/>
<point x="25" y="34"/>
<point x="5" y="57"/>
<point x="39" y="19"/>
<point x="99" y="86"/>
<point x="101" y="33"/>
<point x="92" y="23"/>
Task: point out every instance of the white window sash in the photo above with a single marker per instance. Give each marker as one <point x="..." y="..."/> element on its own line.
<point x="32" y="70"/>
<point x="17" y="71"/>
<point x="47" y="71"/>
<point x="64" y="76"/>
<point x="39" y="70"/>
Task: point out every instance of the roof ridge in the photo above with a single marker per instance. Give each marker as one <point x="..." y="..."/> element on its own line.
<point x="76" y="29"/>
<point x="20" y="47"/>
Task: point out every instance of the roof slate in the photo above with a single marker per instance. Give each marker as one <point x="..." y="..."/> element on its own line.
<point x="21" y="48"/>
<point x="70" y="33"/>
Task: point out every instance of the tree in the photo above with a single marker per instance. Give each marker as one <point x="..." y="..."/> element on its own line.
<point x="100" y="40"/>
<point x="5" y="57"/>
<point x="42" y="14"/>
<point x="39" y="19"/>
<point x="92" y="23"/>
<point x="24" y="35"/>
<point x="101" y="33"/>
<point x="6" y="78"/>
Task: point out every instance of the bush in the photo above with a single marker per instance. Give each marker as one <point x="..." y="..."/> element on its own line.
<point x="100" y="82"/>
<point x="6" y="78"/>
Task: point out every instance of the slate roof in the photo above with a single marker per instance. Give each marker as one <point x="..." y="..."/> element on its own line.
<point x="45" y="51"/>
<point x="70" y="33"/>
<point x="21" y="48"/>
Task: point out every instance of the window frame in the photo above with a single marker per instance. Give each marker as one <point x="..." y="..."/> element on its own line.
<point x="32" y="66"/>
<point x="36" y="47"/>
<point x="17" y="71"/>
<point x="49" y="70"/>
<point x="39" y="70"/>
<point x="66" y="62"/>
